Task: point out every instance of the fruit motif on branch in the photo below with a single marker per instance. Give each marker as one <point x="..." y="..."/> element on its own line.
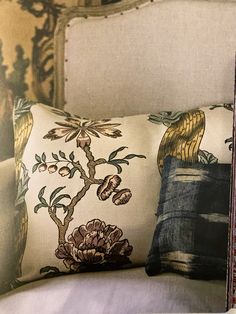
<point x="122" y="197"/>
<point x="109" y="186"/>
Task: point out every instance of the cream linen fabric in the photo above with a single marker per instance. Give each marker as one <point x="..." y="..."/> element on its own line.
<point x="118" y="292"/>
<point x="93" y="231"/>
<point x="166" y="55"/>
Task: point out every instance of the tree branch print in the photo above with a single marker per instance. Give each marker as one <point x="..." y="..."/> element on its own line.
<point x="67" y="166"/>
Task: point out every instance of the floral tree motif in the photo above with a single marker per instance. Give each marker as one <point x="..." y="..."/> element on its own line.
<point x="95" y="243"/>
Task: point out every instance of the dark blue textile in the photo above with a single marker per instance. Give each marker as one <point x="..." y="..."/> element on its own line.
<point x="191" y="235"/>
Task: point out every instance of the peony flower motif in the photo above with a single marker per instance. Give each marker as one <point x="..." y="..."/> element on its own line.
<point x="73" y="128"/>
<point x="94" y="246"/>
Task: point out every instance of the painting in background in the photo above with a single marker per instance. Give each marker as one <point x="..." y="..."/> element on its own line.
<point x="26" y="45"/>
<point x="26" y="55"/>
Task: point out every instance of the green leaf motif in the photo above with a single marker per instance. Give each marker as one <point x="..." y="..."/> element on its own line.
<point x="40" y="195"/>
<point x="62" y="154"/>
<point x="113" y="154"/>
<point x="55" y="157"/>
<point x="22" y="106"/>
<point x="72" y="172"/>
<point x="116" y="162"/>
<point x="43" y="157"/>
<point x="44" y="202"/>
<point x="130" y="156"/>
<point x="22" y="185"/>
<point x="55" y="192"/>
<point x="51" y="271"/>
<point x="41" y="192"/>
<point x="119" y="169"/>
<point x="207" y="158"/>
<point x="59" y="198"/>
<point x="120" y="161"/>
<point x="38" y="159"/>
<point x="20" y="199"/>
<point x="72" y="156"/>
<point x="35" y="167"/>
<point x="165" y="117"/>
<point x="49" y="268"/>
<point x="37" y="207"/>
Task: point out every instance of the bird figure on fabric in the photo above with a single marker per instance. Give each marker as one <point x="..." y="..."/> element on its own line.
<point x="183" y="136"/>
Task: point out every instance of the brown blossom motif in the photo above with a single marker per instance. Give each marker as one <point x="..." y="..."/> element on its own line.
<point x="109" y="186"/>
<point x="122" y="197"/>
<point x="82" y="130"/>
<point x="95" y="246"/>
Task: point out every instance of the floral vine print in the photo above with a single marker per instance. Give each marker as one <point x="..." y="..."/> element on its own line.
<point x="95" y="244"/>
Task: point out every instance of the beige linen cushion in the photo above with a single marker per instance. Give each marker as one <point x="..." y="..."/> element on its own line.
<point x="88" y="190"/>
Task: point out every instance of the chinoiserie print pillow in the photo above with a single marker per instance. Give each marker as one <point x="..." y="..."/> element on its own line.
<point x="87" y="190"/>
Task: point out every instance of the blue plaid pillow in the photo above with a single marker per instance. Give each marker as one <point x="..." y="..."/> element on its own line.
<point x="191" y="234"/>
